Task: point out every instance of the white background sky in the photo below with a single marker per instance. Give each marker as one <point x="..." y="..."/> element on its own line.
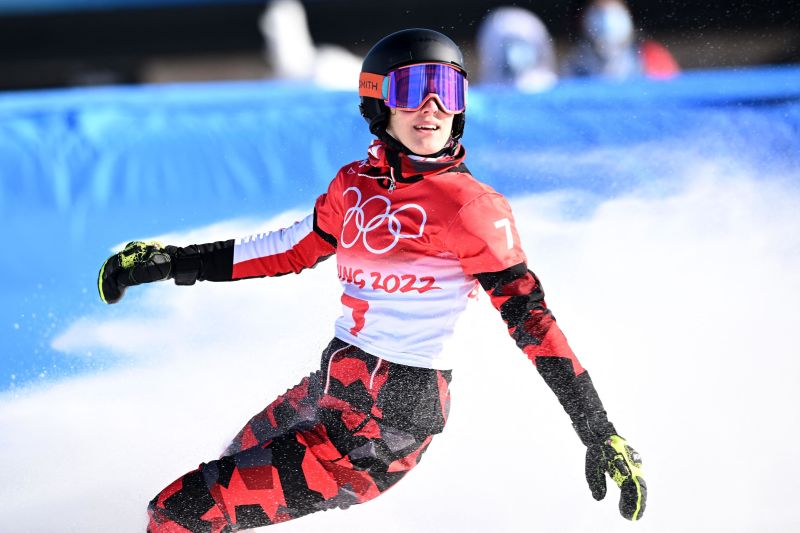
<point x="682" y="305"/>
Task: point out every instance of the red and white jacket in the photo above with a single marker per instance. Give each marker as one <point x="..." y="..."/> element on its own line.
<point x="412" y="238"/>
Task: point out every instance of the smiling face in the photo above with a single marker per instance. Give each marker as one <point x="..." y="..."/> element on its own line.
<point x="424" y="131"/>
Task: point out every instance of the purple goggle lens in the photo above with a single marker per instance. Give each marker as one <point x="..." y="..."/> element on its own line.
<point x="409" y="87"/>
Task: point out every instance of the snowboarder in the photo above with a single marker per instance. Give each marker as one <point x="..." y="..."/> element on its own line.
<point x="414" y="233"/>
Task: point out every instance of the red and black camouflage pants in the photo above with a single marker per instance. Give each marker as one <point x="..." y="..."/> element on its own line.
<point x="342" y="436"/>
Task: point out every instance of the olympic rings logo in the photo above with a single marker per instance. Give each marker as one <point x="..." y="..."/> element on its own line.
<point x="356" y="215"/>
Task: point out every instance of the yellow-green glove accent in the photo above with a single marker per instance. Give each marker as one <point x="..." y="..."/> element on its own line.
<point x="624" y="465"/>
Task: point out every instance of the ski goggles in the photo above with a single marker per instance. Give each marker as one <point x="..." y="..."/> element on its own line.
<point x="410" y="87"/>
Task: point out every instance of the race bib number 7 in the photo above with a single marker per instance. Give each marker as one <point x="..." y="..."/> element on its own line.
<point x="505" y="224"/>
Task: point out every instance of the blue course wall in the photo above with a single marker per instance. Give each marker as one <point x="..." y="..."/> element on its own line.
<point x="83" y="169"/>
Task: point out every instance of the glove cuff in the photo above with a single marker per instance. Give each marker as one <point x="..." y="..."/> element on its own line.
<point x="588" y="416"/>
<point x="579" y="399"/>
<point x="187" y="264"/>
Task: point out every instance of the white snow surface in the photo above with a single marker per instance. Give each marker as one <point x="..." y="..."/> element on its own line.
<point x="682" y="304"/>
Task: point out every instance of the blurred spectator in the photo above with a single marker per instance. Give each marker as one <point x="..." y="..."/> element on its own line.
<point x="516" y="49"/>
<point x="607" y="45"/>
<point x="291" y="53"/>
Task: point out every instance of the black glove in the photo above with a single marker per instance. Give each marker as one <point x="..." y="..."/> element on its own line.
<point x="623" y="464"/>
<point x="139" y="262"/>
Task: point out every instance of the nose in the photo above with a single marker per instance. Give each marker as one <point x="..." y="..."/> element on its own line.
<point x="431" y="104"/>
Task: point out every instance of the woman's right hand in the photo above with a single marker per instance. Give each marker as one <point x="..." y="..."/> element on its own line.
<point x="139" y="262"/>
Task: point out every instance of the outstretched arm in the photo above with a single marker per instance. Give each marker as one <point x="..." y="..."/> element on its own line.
<point x="517" y="293"/>
<point x="484" y="238"/>
<point x="292" y="249"/>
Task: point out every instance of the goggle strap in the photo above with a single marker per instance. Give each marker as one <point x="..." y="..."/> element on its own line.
<point x="370" y="85"/>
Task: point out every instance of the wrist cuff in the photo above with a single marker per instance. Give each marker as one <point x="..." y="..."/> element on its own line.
<point x="187" y="265"/>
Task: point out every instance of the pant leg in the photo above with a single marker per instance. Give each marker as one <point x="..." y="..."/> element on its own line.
<point x="334" y="440"/>
<point x="292" y="410"/>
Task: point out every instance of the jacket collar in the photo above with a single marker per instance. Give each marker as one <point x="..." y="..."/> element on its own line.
<point x="398" y="167"/>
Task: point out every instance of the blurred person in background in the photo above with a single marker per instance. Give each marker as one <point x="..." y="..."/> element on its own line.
<point x="414" y="234"/>
<point x="515" y="49"/>
<point x="607" y="45"/>
<point x="291" y="53"/>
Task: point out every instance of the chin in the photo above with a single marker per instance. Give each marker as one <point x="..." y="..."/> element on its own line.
<point x="427" y="148"/>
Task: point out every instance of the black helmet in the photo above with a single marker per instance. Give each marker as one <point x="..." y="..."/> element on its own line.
<point x="407" y="47"/>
